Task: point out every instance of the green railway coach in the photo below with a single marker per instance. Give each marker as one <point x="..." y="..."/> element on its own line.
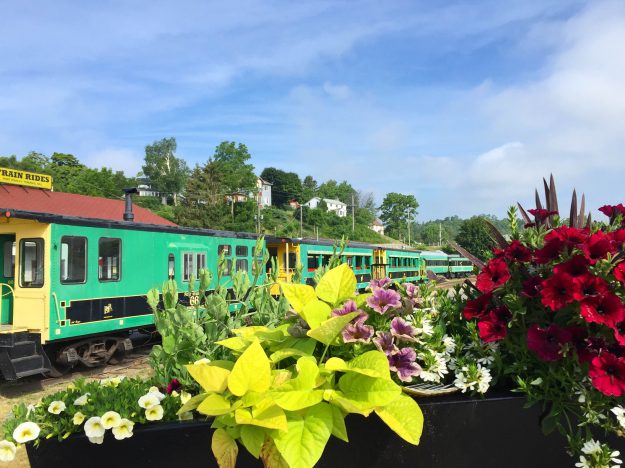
<point x="459" y="266"/>
<point x="436" y="262"/>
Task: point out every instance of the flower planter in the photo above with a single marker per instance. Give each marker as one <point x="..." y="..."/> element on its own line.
<point x="458" y="432"/>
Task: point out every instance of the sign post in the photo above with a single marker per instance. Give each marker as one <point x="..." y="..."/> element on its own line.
<point x="29" y="179"/>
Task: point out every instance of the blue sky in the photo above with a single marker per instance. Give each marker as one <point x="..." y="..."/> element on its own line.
<point x="466" y="105"/>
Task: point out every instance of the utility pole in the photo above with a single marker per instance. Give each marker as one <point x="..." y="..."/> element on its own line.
<point x="408" y="226"/>
<point x="258" y="212"/>
<point x="440" y="234"/>
<point x="301" y="222"/>
<point x="353" y="216"/>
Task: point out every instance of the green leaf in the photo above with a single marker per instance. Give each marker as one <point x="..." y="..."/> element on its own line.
<point x="192" y="403"/>
<point x="361" y="300"/>
<point x="286" y="353"/>
<point x="298" y="295"/>
<point x="153" y="298"/>
<point x="300" y="393"/>
<point x="214" y="405"/>
<point x="270" y="455"/>
<point x="338" y="424"/>
<point x="315" y="313"/>
<point x="169" y="344"/>
<point x="211" y="378"/>
<point x="372" y="363"/>
<point x="271" y="417"/>
<point x="403" y="416"/>
<point x="369" y="391"/>
<point x="327" y="332"/>
<point x="307" y="435"/>
<point x="337" y="285"/>
<point x="235" y="343"/>
<point x="224" y="448"/>
<point x="252" y="371"/>
<point x="252" y="438"/>
<point x="348" y="405"/>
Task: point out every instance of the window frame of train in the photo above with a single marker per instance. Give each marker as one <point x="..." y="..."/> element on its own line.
<point x="8" y="250"/>
<point x="65" y="267"/>
<point x="187" y="265"/>
<point x="200" y="263"/>
<point x="171" y="266"/>
<point x="227" y="249"/>
<point x="40" y="246"/>
<point x="241" y="253"/>
<point x="111" y="279"/>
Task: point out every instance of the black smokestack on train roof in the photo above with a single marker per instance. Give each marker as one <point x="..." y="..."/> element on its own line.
<point x="128" y="214"/>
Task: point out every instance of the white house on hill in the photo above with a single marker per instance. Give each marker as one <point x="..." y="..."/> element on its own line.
<point x="377" y="226"/>
<point x="263" y="189"/>
<point x="337" y="206"/>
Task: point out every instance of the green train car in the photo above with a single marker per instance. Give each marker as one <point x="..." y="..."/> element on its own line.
<point x="436" y="262"/>
<point x="459" y="266"/>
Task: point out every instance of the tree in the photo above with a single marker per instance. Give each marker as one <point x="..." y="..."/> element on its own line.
<point x="309" y="188"/>
<point x="473" y="236"/>
<point x="434" y="234"/>
<point x="166" y="172"/>
<point x="286" y="186"/>
<point x="231" y="162"/>
<point x="35" y="162"/>
<point x="396" y="210"/>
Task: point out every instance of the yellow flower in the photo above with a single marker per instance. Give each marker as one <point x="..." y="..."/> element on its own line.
<point x="153" y="389"/>
<point x="110" y="419"/>
<point x="124" y="430"/>
<point x="96" y="440"/>
<point x="154" y="413"/>
<point x="7" y="451"/>
<point x="175" y="394"/>
<point x="82" y="400"/>
<point x="71" y="386"/>
<point x="56" y="407"/>
<point x="94" y="428"/>
<point x="26" y="432"/>
<point x="184" y="397"/>
<point x="78" y="418"/>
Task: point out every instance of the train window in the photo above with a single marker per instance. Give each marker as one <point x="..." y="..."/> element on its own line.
<point x="9" y="259"/>
<point x="226" y="249"/>
<point x="241" y="264"/>
<point x="187" y="266"/>
<point x="171" y="266"/>
<point x="31" y="262"/>
<point x="357" y="263"/>
<point x="325" y="260"/>
<point x="313" y="262"/>
<point x="241" y="250"/>
<point x="350" y="261"/>
<point x="109" y="259"/>
<point x="200" y="263"/>
<point x="73" y="259"/>
<point x="227" y="267"/>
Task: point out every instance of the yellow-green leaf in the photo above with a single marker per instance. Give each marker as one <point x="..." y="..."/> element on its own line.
<point x="252" y="438"/>
<point x="224" y="448"/>
<point x="236" y="343"/>
<point x="315" y="313"/>
<point x="192" y="403"/>
<point x="338" y="424"/>
<point x="347" y="405"/>
<point x="298" y="295"/>
<point x="337" y="285"/>
<point x="252" y="371"/>
<point x="336" y="364"/>
<point x="214" y="405"/>
<point x="404" y="417"/>
<point x="280" y="376"/>
<point x="250" y="332"/>
<point x="361" y="299"/>
<point x="272" y="417"/>
<point x="211" y="378"/>
<point x="369" y="391"/>
<point x="300" y="393"/>
<point x="307" y="435"/>
<point x="270" y="455"/>
<point x="327" y="332"/>
<point x="286" y="353"/>
<point x="372" y="363"/>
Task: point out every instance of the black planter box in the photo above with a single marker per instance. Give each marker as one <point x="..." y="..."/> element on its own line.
<point x="459" y="432"/>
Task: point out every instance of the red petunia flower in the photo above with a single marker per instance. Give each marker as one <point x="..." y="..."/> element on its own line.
<point x="532" y="286"/>
<point x="546" y="342"/>
<point x="619" y="272"/>
<point x="579" y="339"/>
<point x="477" y="308"/>
<point x="607" y="309"/>
<point x="517" y="252"/>
<point x="619" y="332"/>
<point x="494" y="327"/>
<point x="572" y="237"/>
<point x="550" y="251"/>
<point x="498" y="252"/>
<point x="611" y="211"/>
<point x="559" y="290"/>
<point x="493" y="275"/>
<point x="591" y="286"/>
<point x="541" y="213"/>
<point x="172" y="386"/>
<point x="576" y="266"/>
<point x="607" y="373"/>
<point x="597" y="247"/>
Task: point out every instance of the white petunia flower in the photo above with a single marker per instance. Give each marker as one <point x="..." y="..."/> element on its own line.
<point x="82" y="400"/>
<point x="110" y="419"/>
<point x="619" y="412"/>
<point x="149" y="400"/>
<point x="56" y="407"/>
<point x="7" y="451"/>
<point x="112" y="381"/>
<point x="26" y="432"/>
<point x="584" y="462"/>
<point x="591" y="446"/>
<point x="96" y="440"/>
<point x="154" y="413"/>
<point x="78" y="418"/>
<point x="124" y="429"/>
<point x="483" y="381"/>
<point x="184" y="397"/>
<point x="155" y="391"/>
<point x="30" y="409"/>
<point x="94" y="427"/>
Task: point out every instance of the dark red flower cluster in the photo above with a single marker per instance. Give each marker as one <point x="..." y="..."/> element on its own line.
<point x="577" y="308"/>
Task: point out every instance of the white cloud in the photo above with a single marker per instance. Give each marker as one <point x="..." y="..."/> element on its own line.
<point x="118" y="159"/>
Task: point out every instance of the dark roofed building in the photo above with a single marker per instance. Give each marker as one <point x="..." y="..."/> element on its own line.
<point x="14" y="197"/>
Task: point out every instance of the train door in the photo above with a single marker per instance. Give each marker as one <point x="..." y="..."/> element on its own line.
<point x="379" y="264"/>
<point x="7" y="277"/>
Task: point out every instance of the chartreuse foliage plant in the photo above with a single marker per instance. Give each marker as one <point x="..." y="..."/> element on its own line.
<point x="281" y="401"/>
